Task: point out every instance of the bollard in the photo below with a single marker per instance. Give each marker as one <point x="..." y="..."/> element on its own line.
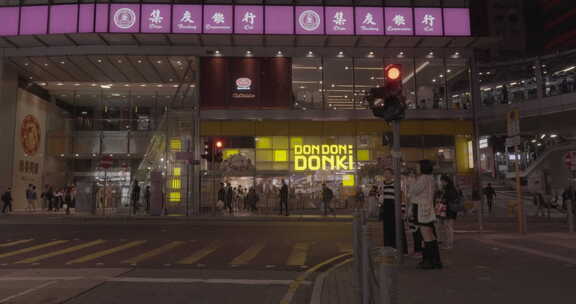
<point x="388" y="275"/>
<point x="570" y="210"/>
<point x="366" y="297"/>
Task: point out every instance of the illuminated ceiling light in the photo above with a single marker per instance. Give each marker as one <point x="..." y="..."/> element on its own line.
<point x="43" y="84"/>
<point x="441" y="76"/>
<point x="127" y="85"/>
<point x="45" y="64"/>
<point x="93" y="84"/>
<point x="553" y="135"/>
<point x="93" y="154"/>
<point x="217" y="53"/>
<point x="179" y="62"/>
<point x="159" y="85"/>
<point x="159" y="62"/>
<point x="400" y="55"/>
<point x="106" y="86"/>
<point x="116" y="94"/>
<point x="310" y="54"/>
<point x="542" y="136"/>
<point x="119" y="60"/>
<point x="62" y="62"/>
<point x="139" y="61"/>
<point x="279" y="54"/>
<point x="434" y="80"/>
<point x="320" y="67"/>
<point x="26" y="63"/>
<point x="456" y="55"/>
<point x="170" y="79"/>
<point x="175" y="86"/>
<point x="76" y="154"/>
<point x="77" y="84"/>
<point x="370" y="54"/>
<point x="59" y="84"/>
<point x="192" y="85"/>
<point x="430" y="55"/>
<point x="340" y="54"/>
<point x="346" y="68"/>
<point x="143" y="85"/>
<point x="449" y="71"/>
<point x="99" y="60"/>
<point x="249" y="53"/>
<point x="61" y="155"/>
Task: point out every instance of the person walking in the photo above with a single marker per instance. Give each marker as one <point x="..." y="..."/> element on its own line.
<point x="489" y="193"/>
<point x="327" y="196"/>
<point x="135" y="197"/>
<point x="422" y="195"/>
<point x="252" y="199"/>
<point x="7" y="199"/>
<point x="388" y="211"/>
<point x="147" y="198"/>
<point x="452" y="199"/>
<point x="284" y="197"/>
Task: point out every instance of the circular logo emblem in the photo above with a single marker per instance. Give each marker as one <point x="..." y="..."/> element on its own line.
<point x="309" y="20"/>
<point x="30" y="135"/>
<point x="243" y="83"/>
<point x="124" y="18"/>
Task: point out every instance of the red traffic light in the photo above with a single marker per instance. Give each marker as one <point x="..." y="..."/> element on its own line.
<point x="219" y="144"/>
<point x="393" y="72"/>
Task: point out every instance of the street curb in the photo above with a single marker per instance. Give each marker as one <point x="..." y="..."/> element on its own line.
<point x="319" y="282"/>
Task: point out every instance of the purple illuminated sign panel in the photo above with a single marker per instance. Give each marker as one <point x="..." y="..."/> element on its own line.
<point x="156" y="18"/>
<point x="428" y="21"/>
<point x="124" y="18"/>
<point x="457" y="22"/>
<point x="369" y="21"/>
<point x="309" y="20"/>
<point x="339" y="20"/>
<point x="33" y="20"/>
<point x="248" y="19"/>
<point x="102" y="18"/>
<point x="399" y="21"/>
<point x="228" y="19"/>
<point x="218" y="19"/>
<point x="86" y="15"/>
<point x="187" y="19"/>
<point x="279" y="20"/>
<point x="63" y="19"/>
<point x="8" y="21"/>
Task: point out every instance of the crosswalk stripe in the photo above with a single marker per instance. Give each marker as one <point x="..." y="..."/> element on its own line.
<point x="60" y="252"/>
<point x="106" y="252"/>
<point x="155" y="252"/>
<point x="343" y="247"/>
<point x="24" y="250"/>
<point x="248" y="254"/>
<point x="202" y="253"/>
<point x="299" y="254"/>
<point x="15" y="243"/>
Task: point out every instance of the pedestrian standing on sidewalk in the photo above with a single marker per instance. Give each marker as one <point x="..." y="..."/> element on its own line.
<point x="136" y="197"/>
<point x="284" y="197"/>
<point x="411" y="208"/>
<point x="489" y="193"/>
<point x="388" y="212"/>
<point x="422" y="194"/>
<point x="33" y="197"/>
<point x="147" y="196"/>
<point x="327" y="196"/>
<point x="252" y="199"/>
<point x="7" y="199"/>
<point x="451" y="198"/>
<point x="229" y="198"/>
<point x="29" y="203"/>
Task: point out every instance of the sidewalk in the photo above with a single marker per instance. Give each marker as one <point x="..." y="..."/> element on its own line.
<point x="497" y="268"/>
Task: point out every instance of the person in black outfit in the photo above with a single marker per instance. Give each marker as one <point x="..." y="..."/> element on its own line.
<point x="221" y="194"/>
<point x="7" y="199"/>
<point x="147" y="196"/>
<point x="136" y="196"/>
<point x="49" y="197"/>
<point x="229" y="198"/>
<point x="327" y="196"/>
<point x="388" y="212"/>
<point x="490" y="194"/>
<point x="284" y="197"/>
<point x="451" y="197"/>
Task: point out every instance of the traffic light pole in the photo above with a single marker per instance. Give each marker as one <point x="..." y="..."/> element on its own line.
<point x="397" y="157"/>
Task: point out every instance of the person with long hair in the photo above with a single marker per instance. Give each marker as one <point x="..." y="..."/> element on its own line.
<point x="451" y="198"/>
<point x="422" y="195"/>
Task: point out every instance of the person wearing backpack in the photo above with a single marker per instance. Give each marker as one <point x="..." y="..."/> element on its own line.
<point x="452" y="199"/>
<point x="327" y="196"/>
<point x="7" y="199"/>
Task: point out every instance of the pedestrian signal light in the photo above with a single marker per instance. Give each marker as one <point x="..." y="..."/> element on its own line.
<point x="219" y="144"/>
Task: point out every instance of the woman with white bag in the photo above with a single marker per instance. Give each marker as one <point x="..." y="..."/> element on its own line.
<point x="422" y="195"/>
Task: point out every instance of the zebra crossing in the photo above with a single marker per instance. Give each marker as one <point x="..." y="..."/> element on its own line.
<point x="173" y="253"/>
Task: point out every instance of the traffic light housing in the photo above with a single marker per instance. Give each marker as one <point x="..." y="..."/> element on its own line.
<point x="218" y="153"/>
<point x="388" y="102"/>
<point x="208" y="151"/>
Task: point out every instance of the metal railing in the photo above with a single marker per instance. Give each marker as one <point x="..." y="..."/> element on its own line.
<point x="375" y="268"/>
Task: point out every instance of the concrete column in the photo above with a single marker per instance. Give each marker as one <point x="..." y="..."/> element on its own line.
<point x="8" y="102"/>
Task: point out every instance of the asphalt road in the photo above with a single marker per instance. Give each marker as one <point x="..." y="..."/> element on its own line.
<point x="70" y="261"/>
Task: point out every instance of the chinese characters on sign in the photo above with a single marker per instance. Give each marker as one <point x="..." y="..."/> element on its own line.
<point x="233" y="19"/>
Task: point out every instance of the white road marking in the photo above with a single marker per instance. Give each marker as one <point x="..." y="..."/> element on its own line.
<point x="27" y="291"/>
<point x="529" y="251"/>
